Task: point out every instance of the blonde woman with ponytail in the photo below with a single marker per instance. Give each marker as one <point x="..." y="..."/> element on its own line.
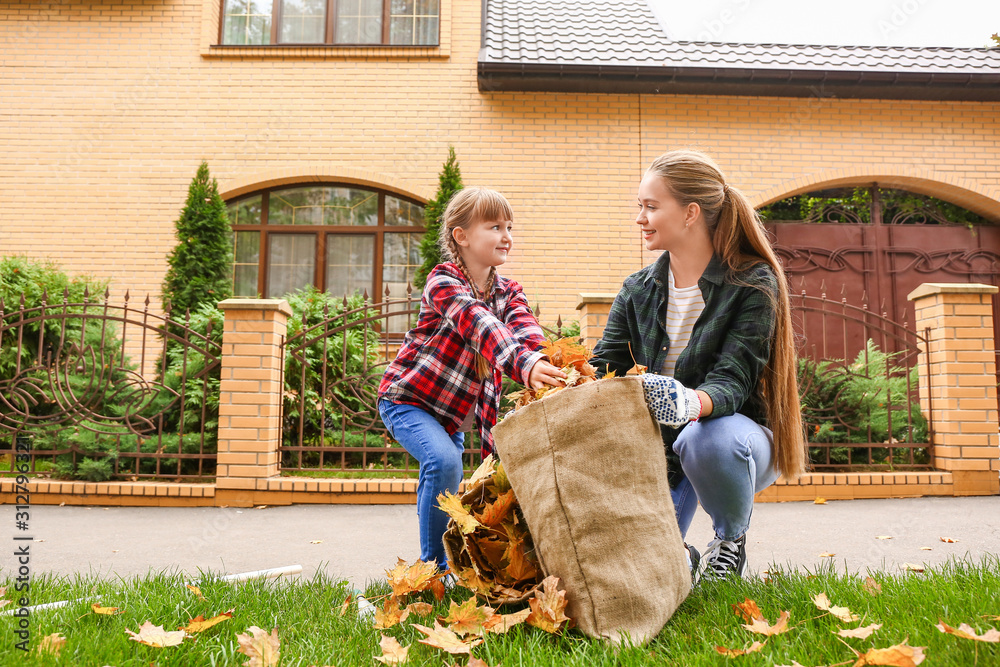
<point x="473" y="325"/>
<point x="710" y="318"/>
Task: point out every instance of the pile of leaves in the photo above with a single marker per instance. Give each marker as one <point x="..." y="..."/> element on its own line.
<point x="466" y="624"/>
<point x="489" y="548"/>
<point x="571" y="357"/>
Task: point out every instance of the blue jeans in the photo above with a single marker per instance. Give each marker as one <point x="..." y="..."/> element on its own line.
<point x="440" y="457"/>
<point x="726" y="461"/>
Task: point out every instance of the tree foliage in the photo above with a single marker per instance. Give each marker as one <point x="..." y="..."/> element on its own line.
<point x="449" y="182"/>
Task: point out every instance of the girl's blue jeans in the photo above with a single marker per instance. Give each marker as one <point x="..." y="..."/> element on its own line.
<point x="440" y="458"/>
<point x="726" y="460"/>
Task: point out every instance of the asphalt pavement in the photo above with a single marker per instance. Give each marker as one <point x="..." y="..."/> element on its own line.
<point x="359" y="542"/>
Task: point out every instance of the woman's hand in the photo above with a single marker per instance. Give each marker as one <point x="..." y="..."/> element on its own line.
<point x="543" y="373"/>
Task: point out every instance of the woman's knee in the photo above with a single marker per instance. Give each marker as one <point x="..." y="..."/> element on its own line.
<point x="707" y="442"/>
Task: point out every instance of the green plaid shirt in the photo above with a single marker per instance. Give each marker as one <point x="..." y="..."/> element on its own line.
<point x="729" y="347"/>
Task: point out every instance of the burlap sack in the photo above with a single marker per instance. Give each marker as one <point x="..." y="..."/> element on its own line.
<point x="588" y="468"/>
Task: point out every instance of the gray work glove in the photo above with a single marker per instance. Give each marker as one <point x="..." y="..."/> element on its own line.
<point x="669" y="401"/>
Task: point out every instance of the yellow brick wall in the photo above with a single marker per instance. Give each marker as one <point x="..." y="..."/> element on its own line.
<point x="108" y="106"/>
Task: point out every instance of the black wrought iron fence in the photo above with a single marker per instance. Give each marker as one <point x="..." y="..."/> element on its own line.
<point x="330" y="420"/>
<point x="73" y="387"/>
<point x="858" y="382"/>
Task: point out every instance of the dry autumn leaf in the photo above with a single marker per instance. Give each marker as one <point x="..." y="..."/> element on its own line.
<point x="485" y="469"/>
<point x="452" y="505"/>
<point x="419" y="608"/>
<point x="467" y="618"/>
<point x="965" y="631"/>
<point x="748" y="610"/>
<point x="900" y="655"/>
<point x="860" y="633"/>
<point x="51" y="644"/>
<point x="476" y="662"/>
<point x="795" y="663"/>
<point x="762" y="627"/>
<point x="883" y="537"/>
<point x="392" y="652"/>
<point x="262" y="648"/>
<point x="733" y="652"/>
<point x="827" y="555"/>
<point x="949" y="540"/>
<point x="406" y="579"/>
<point x="156" y="636"/>
<point x="819" y="501"/>
<point x="823" y="603"/>
<point x="346" y="604"/>
<point x="926" y="549"/>
<point x="105" y="611"/>
<point x="548" y="607"/>
<point x="469" y="578"/>
<point x="497" y="511"/>
<point x="446" y="640"/>
<point x="872" y="587"/>
<point x="498" y="624"/>
<point x="196" y="591"/>
<point x="390" y="614"/>
<point x="912" y="567"/>
<point x="199" y="624"/>
<point x="315" y="541"/>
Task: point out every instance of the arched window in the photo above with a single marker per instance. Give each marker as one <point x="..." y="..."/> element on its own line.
<point x="340" y="238"/>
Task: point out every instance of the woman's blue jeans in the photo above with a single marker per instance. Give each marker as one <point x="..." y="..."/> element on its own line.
<point x="440" y="457"/>
<point x="726" y="460"/>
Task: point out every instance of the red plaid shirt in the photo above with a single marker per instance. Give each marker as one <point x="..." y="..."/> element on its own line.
<point x="435" y="368"/>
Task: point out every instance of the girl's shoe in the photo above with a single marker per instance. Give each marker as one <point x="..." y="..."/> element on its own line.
<point x="725" y="558"/>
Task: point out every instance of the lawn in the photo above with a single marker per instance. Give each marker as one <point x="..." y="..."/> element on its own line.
<point x="312" y="631"/>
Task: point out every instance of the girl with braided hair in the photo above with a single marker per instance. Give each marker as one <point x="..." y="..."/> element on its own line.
<point x="473" y="325"/>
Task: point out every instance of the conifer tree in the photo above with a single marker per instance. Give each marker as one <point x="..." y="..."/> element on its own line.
<point x="449" y="182"/>
<point x="201" y="264"/>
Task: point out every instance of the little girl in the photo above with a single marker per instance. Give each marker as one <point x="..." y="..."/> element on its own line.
<point x="711" y="320"/>
<point x="473" y="324"/>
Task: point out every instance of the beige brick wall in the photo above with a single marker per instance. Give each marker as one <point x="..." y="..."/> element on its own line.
<point x="108" y="106"/>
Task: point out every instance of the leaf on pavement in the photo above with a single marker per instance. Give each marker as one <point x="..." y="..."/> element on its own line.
<point x="823" y="603"/>
<point x="262" y="648"/>
<point x="733" y="652"/>
<point x="819" y="501"/>
<point x="548" y="607"/>
<point x="748" y="610"/>
<point x="762" y="627"/>
<point x="199" y="624"/>
<point x="467" y="618"/>
<point x="900" y="655"/>
<point x="446" y="640"/>
<point x="498" y="624"/>
<point x="392" y="652"/>
<point x="860" y="633"/>
<point x="827" y="555"/>
<point x="452" y="505"/>
<point x="965" y="631"/>
<point x="390" y="614"/>
<point x="156" y="636"/>
<point x="872" y="587"/>
<point x="883" y="537"/>
<point x="51" y="644"/>
<point x="912" y="567"/>
<point x="105" y="611"/>
<point x="949" y="540"/>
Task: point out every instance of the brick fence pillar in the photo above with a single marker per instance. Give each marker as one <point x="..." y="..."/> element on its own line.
<point x="250" y="396"/>
<point x="594" y="309"/>
<point x="961" y="364"/>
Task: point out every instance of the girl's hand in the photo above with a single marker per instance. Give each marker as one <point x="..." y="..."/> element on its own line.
<point x="543" y="373"/>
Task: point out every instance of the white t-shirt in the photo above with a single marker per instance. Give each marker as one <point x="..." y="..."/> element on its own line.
<point x="684" y="306"/>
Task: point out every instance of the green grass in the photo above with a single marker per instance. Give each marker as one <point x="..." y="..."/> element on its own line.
<point x="312" y="632"/>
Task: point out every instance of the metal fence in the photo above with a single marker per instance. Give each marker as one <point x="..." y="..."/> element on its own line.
<point x="72" y="387"/>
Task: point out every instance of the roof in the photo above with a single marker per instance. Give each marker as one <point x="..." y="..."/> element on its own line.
<point x="619" y="46"/>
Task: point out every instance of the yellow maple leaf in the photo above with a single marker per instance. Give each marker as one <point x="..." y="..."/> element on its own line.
<point x="548" y="607"/>
<point x="390" y="614"/>
<point x="156" y="636"/>
<point x="469" y="578"/>
<point x="900" y="655"/>
<point x="199" y="624"/>
<point x="392" y="652"/>
<point x="105" y="611"/>
<point x="51" y="644"/>
<point x="965" y="631"/>
<point x="823" y="603"/>
<point x="733" y="652"/>
<point x="406" y="579"/>
<point x="827" y="554"/>
<point x="860" y="633"/>
<point x="500" y="482"/>
<point x="484" y="471"/>
<point x="819" y="501"/>
<point x="501" y="623"/>
<point x="452" y="505"/>
<point x="467" y="618"/>
<point x="949" y="540"/>
<point x="196" y="591"/>
<point x="762" y="627"/>
<point x="519" y="566"/>
<point x="263" y="649"/>
<point x="419" y="608"/>
<point x="748" y="610"/>
<point x="446" y="640"/>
